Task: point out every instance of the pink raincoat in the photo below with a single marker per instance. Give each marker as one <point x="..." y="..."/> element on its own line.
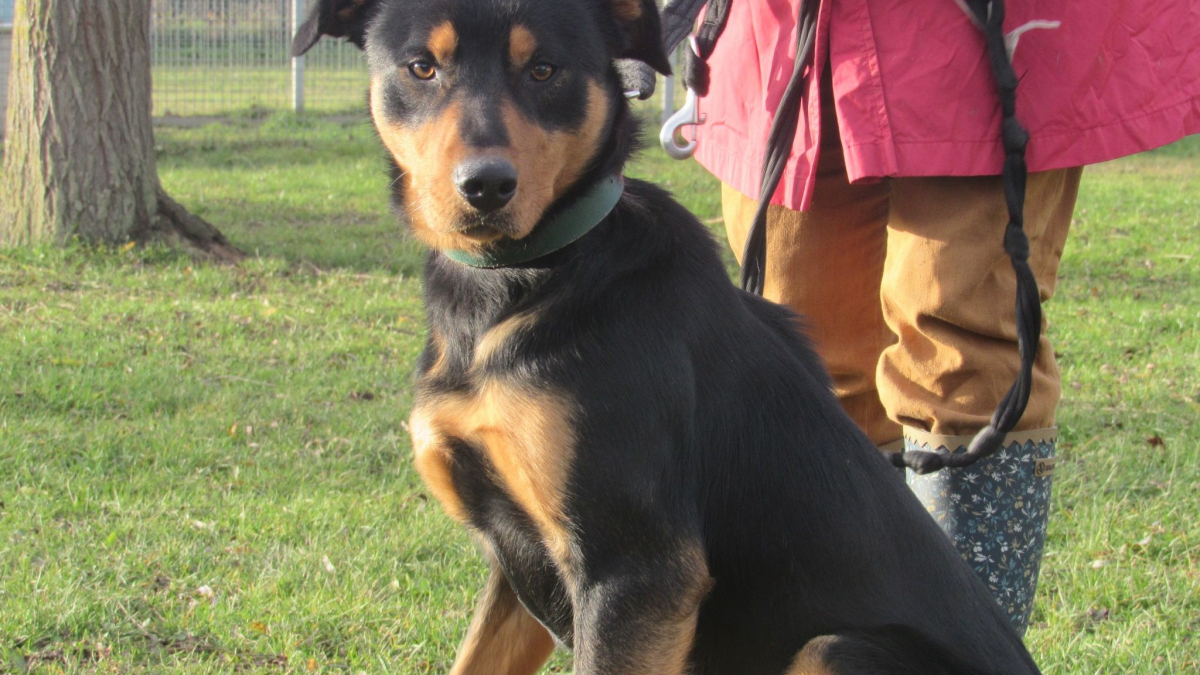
<point x="915" y="95"/>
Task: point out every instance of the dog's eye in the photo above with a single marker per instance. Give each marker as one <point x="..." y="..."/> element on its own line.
<point x="541" y="72"/>
<point x="422" y="70"/>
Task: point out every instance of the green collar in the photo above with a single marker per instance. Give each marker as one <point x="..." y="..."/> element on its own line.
<point x="551" y="234"/>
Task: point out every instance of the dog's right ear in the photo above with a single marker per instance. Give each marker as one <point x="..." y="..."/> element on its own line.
<point x="335" y="18"/>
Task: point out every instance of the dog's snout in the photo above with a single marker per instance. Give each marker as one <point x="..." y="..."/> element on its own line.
<point x="486" y="184"/>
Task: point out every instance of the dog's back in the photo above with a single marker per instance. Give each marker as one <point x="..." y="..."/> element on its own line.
<point x="807" y="529"/>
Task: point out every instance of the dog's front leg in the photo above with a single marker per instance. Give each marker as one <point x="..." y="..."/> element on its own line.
<point x="640" y="619"/>
<point x="504" y="638"/>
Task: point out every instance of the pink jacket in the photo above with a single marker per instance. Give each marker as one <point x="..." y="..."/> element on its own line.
<point x="915" y="96"/>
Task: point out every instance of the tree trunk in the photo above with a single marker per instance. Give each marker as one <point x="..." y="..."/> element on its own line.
<point x="79" y="153"/>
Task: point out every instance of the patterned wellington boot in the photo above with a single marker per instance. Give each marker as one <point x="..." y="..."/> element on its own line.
<point x="995" y="510"/>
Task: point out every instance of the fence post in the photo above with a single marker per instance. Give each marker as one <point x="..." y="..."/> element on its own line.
<point x="297" y="62"/>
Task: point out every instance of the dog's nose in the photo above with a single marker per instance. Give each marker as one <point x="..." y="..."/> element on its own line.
<point x="487" y="184"/>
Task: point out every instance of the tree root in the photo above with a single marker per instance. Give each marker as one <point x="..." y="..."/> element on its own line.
<point x="184" y="229"/>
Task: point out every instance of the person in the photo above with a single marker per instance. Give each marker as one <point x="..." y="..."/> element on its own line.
<point x="886" y="230"/>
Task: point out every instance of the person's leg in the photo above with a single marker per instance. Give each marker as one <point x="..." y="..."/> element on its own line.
<point x="826" y="264"/>
<point x="948" y="293"/>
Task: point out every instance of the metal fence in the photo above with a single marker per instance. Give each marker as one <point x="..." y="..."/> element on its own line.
<point x="220" y="57"/>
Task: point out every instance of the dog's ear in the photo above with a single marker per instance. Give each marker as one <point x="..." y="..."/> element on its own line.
<point x="641" y="33"/>
<point x="335" y="18"/>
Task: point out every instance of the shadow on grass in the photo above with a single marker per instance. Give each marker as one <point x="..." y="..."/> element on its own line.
<point x="311" y="191"/>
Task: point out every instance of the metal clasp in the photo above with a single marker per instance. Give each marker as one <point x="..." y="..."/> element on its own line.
<point x="670" y="137"/>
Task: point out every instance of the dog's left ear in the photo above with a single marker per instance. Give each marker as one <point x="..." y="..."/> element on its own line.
<point x="641" y="33"/>
<point x="335" y="18"/>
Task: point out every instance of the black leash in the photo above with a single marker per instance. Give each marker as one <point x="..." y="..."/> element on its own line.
<point x="783" y="126"/>
<point x="779" y="147"/>
<point x="989" y="15"/>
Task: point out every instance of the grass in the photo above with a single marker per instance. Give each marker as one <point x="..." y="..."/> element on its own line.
<point x="205" y="470"/>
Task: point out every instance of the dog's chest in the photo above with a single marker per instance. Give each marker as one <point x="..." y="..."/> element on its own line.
<point x="476" y="424"/>
<point x="496" y="457"/>
<point x="523" y="437"/>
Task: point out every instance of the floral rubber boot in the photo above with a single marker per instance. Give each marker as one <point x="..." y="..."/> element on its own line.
<point x="995" y="510"/>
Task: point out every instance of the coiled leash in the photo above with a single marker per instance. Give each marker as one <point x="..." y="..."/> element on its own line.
<point x="988" y="15"/>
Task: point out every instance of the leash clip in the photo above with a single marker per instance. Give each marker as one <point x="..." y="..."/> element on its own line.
<point x="688" y="115"/>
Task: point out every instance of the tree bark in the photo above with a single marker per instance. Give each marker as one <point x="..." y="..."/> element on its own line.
<point x="79" y="145"/>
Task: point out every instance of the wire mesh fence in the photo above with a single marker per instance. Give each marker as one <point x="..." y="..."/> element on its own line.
<point x="221" y="57"/>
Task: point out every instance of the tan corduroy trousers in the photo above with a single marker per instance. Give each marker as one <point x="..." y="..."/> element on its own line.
<point x="908" y="294"/>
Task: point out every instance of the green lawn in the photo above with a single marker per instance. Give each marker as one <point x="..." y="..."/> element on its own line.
<point x="206" y="469"/>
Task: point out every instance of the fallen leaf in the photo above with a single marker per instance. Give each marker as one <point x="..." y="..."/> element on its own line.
<point x="1155" y="441"/>
<point x="209" y="594"/>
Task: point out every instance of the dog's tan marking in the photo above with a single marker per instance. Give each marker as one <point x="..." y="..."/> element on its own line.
<point x="434" y="459"/>
<point x="526" y="435"/>
<point x="428" y="155"/>
<point x="667" y="631"/>
<point x="627" y="11"/>
<point x="504" y="639"/>
<point x="549" y="162"/>
<point x="443" y="41"/>
<point x="348" y="12"/>
<point x="498" y="335"/>
<point x="521" y="45"/>
<point x="439" y="362"/>
<point x="672" y="640"/>
<point x="811" y="660"/>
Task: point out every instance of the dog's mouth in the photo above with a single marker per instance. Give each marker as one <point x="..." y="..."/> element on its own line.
<point x="482" y="233"/>
<point x="484" y="229"/>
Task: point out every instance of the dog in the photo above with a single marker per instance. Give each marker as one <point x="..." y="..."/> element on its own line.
<point x="652" y="460"/>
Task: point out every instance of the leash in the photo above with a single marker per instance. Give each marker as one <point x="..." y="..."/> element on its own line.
<point x="554" y="232"/>
<point x="988" y="15"/>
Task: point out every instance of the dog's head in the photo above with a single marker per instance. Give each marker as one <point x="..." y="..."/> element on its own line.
<point x="491" y="109"/>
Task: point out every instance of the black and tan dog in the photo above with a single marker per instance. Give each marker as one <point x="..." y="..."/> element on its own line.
<point x="652" y="459"/>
